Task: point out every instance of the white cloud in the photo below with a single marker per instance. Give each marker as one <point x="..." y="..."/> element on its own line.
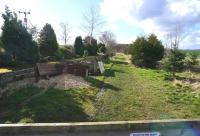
<point x="119" y="10"/>
<point x="157" y="16"/>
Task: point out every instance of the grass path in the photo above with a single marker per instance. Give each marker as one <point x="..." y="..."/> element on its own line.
<point x="130" y="94"/>
<point x="141" y="94"/>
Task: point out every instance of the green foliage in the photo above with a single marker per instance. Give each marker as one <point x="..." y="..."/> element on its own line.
<point x="48" y="42"/>
<point x="85" y="54"/>
<point x="59" y="55"/>
<point x="102" y="48"/>
<point x="196" y="52"/>
<point x="88" y="46"/>
<point x="137" y="51"/>
<point x="18" y="43"/>
<point x="146" y="51"/>
<point x="1" y="45"/>
<point x="78" y="46"/>
<point x="174" y="61"/>
<point x="91" y="45"/>
<point x="6" y="60"/>
<point x="66" y="53"/>
<point x="191" y="60"/>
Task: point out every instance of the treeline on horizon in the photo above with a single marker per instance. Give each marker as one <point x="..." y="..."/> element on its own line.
<point x="18" y="47"/>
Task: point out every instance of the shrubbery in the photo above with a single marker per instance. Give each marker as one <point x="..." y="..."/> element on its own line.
<point x="174" y="61"/>
<point x="18" y="43"/>
<point x="190" y="60"/>
<point x="88" y="47"/>
<point x="146" y="52"/>
<point x="91" y="46"/>
<point x="6" y="60"/>
<point x="47" y="42"/>
<point x="66" y="53"/>
<point x="78" y="46"/>
<point x="102" y="48"/>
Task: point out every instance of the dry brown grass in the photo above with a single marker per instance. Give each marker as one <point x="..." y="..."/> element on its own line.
<point x="4" y="70"/>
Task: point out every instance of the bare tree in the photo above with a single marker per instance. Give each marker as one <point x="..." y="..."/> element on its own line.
<point x="175" y="37"/>
<point x="65" y="32"/>
<point x="92" y="21"/>
<point x="107" y="38"/>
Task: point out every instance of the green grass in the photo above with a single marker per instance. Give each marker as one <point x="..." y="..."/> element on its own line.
<point x="131" y="94"/>
<point x="52" y="106"/>
<point x="143" y="94"/>
<point x="197" y="52"/>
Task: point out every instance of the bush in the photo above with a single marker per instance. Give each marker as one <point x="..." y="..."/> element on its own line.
<point x="146" y="52"/>
<point x="48" y="42"/>
<point x="6" y="60"/>
<point x="78" y="46"/>
<point x="17" y="42"/>
<point x="85" y="54"/>
<point x="101" y="48"/>
<point x="174" y="62"/>
<point x="190" y="60"/>
<point x="66" y="53"/>
<point x="91" y="46"/>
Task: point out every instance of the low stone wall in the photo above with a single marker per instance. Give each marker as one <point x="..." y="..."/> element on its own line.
<point x="119" y="128"/>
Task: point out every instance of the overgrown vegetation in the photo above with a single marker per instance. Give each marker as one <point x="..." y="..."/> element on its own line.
<point x="146" y="51"/>
<point x="174" y="62"/>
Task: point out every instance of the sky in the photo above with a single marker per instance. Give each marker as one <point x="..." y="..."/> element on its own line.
<point x="127" y="19"/>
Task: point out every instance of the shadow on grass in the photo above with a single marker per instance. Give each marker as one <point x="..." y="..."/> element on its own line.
<point x="111" y="72"/>
<point x="100" y="84"/>
<point x="52" y="106"/>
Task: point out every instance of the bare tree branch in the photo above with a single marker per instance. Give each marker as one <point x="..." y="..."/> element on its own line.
<point x="65" y="32"/>
<point x="92" y="21"/>
<point x="108" y="38"/>
<point x="175" y="37"/>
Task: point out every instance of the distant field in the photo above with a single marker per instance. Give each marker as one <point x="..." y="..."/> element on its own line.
<point x="197" y="52"/>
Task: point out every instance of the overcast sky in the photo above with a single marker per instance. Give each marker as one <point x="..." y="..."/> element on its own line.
<point x="127" y="19"/>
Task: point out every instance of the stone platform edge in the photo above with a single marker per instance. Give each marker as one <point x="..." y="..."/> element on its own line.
<point x="144" y="125"/>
